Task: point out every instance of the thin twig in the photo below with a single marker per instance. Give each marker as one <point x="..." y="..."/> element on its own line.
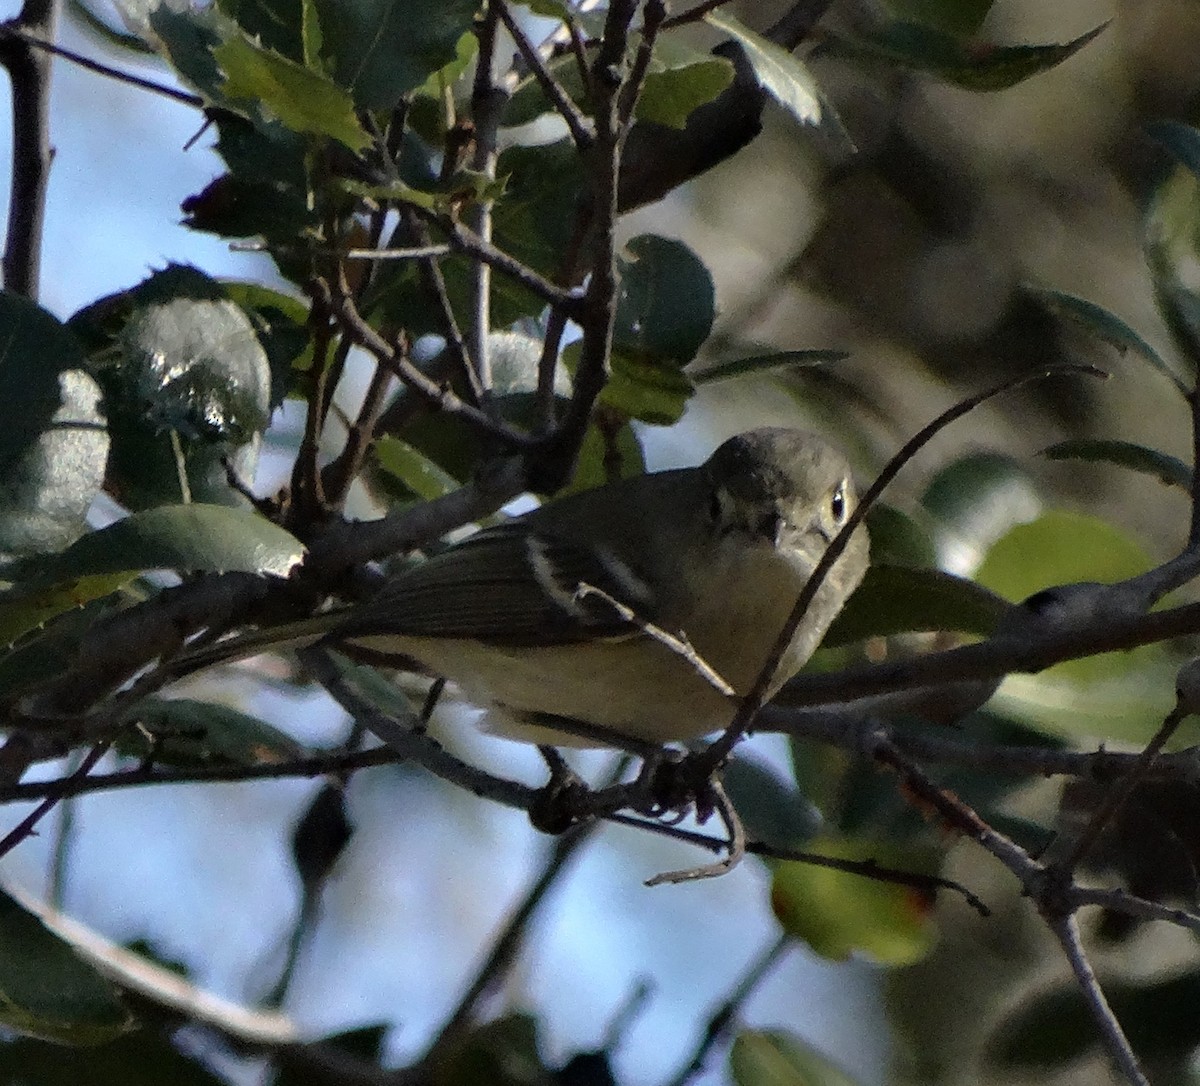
<point x="1066" y="930"/>
<point x="78" y="59"/>
<point x="1118" y="795"/>
<point x="735" y="845"/>
<point x="724" y="1018"/>
<point x="441" y="397"/>
<point x="28" y="824"/>
<point x="575" y="120"/>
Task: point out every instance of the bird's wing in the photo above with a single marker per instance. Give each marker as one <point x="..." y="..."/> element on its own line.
<point x="510" y="585"/>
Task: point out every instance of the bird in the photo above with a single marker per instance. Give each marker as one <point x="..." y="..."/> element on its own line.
<point x="636" y="613"/>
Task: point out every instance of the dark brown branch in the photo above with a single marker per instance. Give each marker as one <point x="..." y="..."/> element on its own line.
<point x="29" y="72"/>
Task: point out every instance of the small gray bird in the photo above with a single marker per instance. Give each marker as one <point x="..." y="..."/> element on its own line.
<point x="642" y="609"/>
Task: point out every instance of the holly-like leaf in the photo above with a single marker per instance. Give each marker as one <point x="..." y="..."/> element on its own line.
<point x="301" y="99"/>
<point x="47" y="990"/>
<point x="782" y="75"/>
<point x="186" y="538"/>
<point x="380" y="50"/>
<point x="974" y="65"/>
<point x="53" y="441"/>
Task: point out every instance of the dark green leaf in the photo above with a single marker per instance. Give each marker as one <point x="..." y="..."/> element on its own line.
<point x="302" y="100"/>
<point x="666" y="302"/>
<point x="776" y="1058"/>
<point x="771" y="807"/>
<point x="960" y="17"/>
<point x="1168" y="469"/>
<point x="899" y="540"/>
<point x="782" y="75"/>
<point x="146" y="1058"/>
<point x="903" y="599"/>
<point x="1172" y="234"/>
<point x="975" y="500"/>
<point x="185" y="732"/>
<point x="838" y="914"/>
<point x="187" y="538"/>
<point x="503" y="1052"/>
<point x="1103" y="324"/>
<point x="765" y="363"/>
<point x="669" y="96"/>
<point x="382" y="49"/>
<point x="975" y="65"/>
<point x="47" y="991"/>
<point x="366" y="1043"/>
<point x="416" y="471"/>
<point x="654" y="392"/>
<point x="277" y="25"/>
<point x="188" y="38"/>
<point x="605" y="456"/>
<point x="53" y="443"/>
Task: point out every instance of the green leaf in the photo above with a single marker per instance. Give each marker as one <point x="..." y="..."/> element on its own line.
<point x="653" y="392"/>
<point x="838" y="914"/>
<point x="898" y="539"/>
<point x="902" y="599"/>
<point x="1182" y="140"/>
<point x="770" y="806"/>
<point x="778" y="1058"/>
<point x="277" y="25"/>
<point x="974" y="501"/>
<point x="186" y="538"/>
<point x="188" y="39"/>
<point x="22" y="611"/>
<point x="191" y="360"/>
<point x="146" y="1058"/>
<point x="1119" y="694"/>
<point x="669" y="96"/>
<point x="961" y="17"/>
<point x="1104" y="324"/>
<point x="605" y="455"/>
<point x="766" y="363"/>
<point x="47" y="991"/>
<point x="301" y="99"/>
<point x="974" y="65"/>
<point x="382" y="49"/>
<point x="1172" y="235"/>
<point x="665" y="303"/>
<point x="53" y="443"/>
<point x="417" y="472"/>
<point x="1060" y="547"/>
<point x="779" y="73"/>
<point x="185" y="732"/>
<point x="1167" y="469"/>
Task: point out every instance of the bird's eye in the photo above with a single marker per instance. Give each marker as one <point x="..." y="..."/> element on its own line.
<point x="837" y="503"/>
